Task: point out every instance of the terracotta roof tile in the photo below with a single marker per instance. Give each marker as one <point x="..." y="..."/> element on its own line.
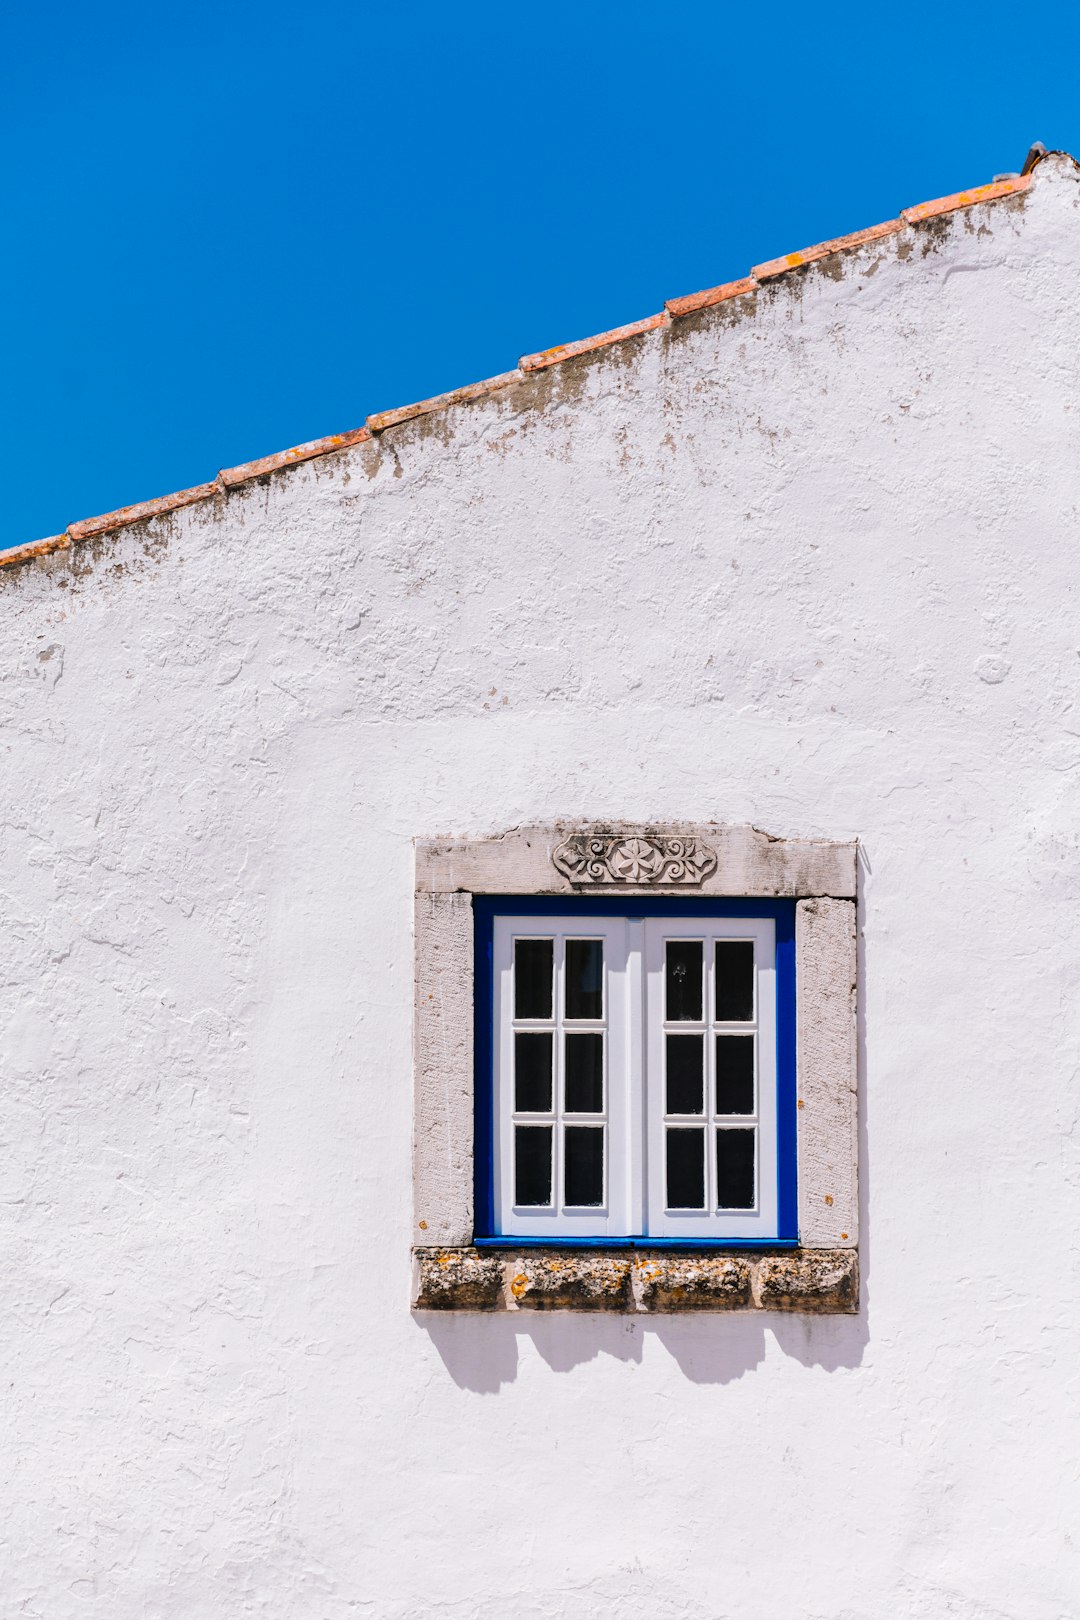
<point x="144" y="509"/>
<point x="673" y="309"/>
<point x="567" y="351"/>
<point x="822" y="250"/>
<point x="964" y="199"/>
<point x="712" y="295"/>
<point x="36" y="548"/>
<point x="440" y="402"/>
<point x="231" y="476"/>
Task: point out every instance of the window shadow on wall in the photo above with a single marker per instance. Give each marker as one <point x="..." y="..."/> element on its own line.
<point x="482" y="1353"/>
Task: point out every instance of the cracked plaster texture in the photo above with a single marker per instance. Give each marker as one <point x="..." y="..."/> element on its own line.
<point x="809" y="563"/>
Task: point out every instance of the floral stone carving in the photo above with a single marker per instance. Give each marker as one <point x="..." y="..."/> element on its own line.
<point x="617" y="858"/>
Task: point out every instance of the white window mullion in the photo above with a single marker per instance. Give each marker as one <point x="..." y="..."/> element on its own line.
<point x="710" y="1079"/>
<point x="559" y="1075"/>
<point x="653" y="1051"/>
<point x="635" y="1157"/>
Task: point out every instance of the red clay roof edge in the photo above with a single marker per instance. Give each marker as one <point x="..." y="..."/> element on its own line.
<point x="673" y="310"/>
<point x="441" y="402"/>
<point x="567" y="351"/>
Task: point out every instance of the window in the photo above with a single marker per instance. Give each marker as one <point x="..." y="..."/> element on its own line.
<point x="620" y="1102"/>
<point x="635" y="1075"/>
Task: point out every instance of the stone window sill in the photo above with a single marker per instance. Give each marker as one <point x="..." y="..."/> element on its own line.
<point x="637" y="1282"/>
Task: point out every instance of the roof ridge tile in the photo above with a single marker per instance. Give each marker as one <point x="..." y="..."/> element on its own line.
<point x="822" y="250"/>
<point x="124" y="515"/>
<point x="456" y="396"/>
<point x="35" y="548"/>
<point x="674" y="309"/>
<point x="677" y="307"/>
<point x="964" y="199"/>
<point x="231" y="476"/>
<point x="567" y="351"/>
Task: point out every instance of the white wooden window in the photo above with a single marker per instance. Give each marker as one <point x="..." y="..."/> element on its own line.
<point x="563" y="1072"/>
<point x="710" y="1036"/>
<point x="635" y="1077"/>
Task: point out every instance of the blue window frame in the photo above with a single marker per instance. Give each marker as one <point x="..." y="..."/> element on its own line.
<point x="486" y="910"/>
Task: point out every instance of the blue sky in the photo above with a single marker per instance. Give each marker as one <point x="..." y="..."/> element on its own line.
<point x="235" y="227"/>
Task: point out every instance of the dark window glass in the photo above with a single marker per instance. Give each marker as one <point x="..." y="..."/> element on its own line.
<point x="685" y="1077"/>
<point x="735" y="1169"/>
<point x="734" y="1074"/>
<point x="534" y="961"/>
<point x="584" y="1074"/>
<point x="686" y="1169"/>
<point x="532" y="1164"/>
<point x="683" y="979"/>
<point x="734" y="980"/>
<point x="583" y="1167"/>
<point x="532" y="1072"/>
<point x="584" y="978"/>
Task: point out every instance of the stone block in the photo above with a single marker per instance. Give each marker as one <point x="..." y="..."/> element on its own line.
<point x="588" y="1281"/>
<point x="813" y="1281"/>
<point x="632" y="1282"/>
<point x="457" y="1280"/>
<point x="692" y="1282"/>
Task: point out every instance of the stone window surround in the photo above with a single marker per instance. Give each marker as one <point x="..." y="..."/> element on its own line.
<point x="676" y="859"/>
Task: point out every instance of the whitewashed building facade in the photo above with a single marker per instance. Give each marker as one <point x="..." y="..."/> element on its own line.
<point x="761" y="614"/>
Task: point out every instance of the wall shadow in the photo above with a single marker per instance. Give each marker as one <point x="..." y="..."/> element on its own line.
<point x="481" y="1352"/>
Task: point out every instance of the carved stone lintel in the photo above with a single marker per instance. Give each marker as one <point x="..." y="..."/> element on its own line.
<point x="590" y="858"/>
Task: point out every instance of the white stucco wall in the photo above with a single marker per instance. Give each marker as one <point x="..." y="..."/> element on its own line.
<point x="812" y="566"/>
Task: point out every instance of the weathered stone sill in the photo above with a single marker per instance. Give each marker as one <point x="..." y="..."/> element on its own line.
<point x="640" y="1281"/>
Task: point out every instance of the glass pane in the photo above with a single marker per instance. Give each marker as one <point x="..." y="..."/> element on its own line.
<point x="583" y="1168"/>
<point x="686" y="1169"/>
<point x="534" y="962"/>
<point x="584" y="1074"/>
<point x="683" y="978"/>
<point x="685" y="1074"/>
<point x="532" y="1072"/>
<point x="584" y="978"/>
<point x="734" y="1074"/>
<point x="532" y="1164"/>
<point x="735" y="1169"/>
<point x="734" y="980"/>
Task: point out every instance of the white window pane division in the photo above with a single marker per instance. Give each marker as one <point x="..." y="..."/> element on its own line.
<point x="583" y="1166"/>
<point x="710" y="1032"/>
<point x="734" y="981"/>
<point x="684" y="1154"/>
<point x="735" y="1069"/>
<point x="583" y="980"/>
<point x="532" y="1164"/>
<point x="683" y="964"/>
<point x="583" y="1072"/>
<point x="684" y="1059"/>
<point x="533" y="1054"/>
<point x="565" y="1077"/>
<point x="735" y="1166"/>
<point x="533" y="965"/>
